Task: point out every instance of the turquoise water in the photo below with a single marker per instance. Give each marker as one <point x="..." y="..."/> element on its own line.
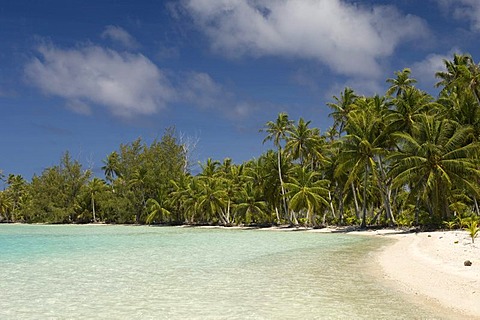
<point x="122" y="272"/>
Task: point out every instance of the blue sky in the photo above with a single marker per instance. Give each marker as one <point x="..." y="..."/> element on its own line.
<point x="88" y="75"/>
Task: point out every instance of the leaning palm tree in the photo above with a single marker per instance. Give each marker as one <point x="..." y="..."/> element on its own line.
<point x="307" y="191"/>
<point x="156" y="210"/>
<point x="277" y="131"/>
<point x="433" y="161"/>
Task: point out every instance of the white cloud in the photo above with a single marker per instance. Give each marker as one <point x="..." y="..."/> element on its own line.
<point x="201" y="91"/>
<point x="424" y="71"/>
<point x="463" y="9"/>
<point x="119" y="35"/>
<point x="127" y="84"/>
<point x="348" y="38"/>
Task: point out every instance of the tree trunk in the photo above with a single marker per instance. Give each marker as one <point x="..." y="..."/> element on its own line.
<point x="279" y="163"/>
<point x="93" y="209"/>
<point x="364" y="213"/>
<point x="357" y="208"/>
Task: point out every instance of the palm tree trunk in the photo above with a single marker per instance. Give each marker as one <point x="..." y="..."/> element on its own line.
<point x="357" y="209"/>
<point x="477" y="210"/>
<point x="278" y="215"/>
<point x="364" y="213"/>
<point x="93" y="209"/>
<point x="385" y="192"/>
<point x="281" y="185"/>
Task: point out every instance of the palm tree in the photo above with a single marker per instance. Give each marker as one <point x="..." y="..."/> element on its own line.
<point x="401" y="83"/>
<point x="435" y="159"/>
<point x="111" y="166"/>
<point x="307" y="192"/>
<point x="6" y="204"/>
<point x="343" y="106"/>
<point x="277" y="131"/>
<point x="250" y="206"/>
<point x="359" y="149"/>
<point x="408" y="108"/>
<point x="156" y="210"/>
<point x="95" y="186"/>
<point x="301" y="141"/>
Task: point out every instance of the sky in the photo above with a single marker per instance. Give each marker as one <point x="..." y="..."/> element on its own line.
<point x="85" y="76"/>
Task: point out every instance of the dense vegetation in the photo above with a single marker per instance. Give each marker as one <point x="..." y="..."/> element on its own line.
<point x="404" y="158"/>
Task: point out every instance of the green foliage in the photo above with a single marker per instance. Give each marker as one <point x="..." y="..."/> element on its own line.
<point x="404" y="158"/>
<point x="473" y="230"/>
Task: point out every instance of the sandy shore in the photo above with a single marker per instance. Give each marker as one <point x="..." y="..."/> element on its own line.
<point x="429" y="267"/>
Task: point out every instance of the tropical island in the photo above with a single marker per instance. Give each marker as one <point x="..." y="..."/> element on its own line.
<point x="402" y="159"/>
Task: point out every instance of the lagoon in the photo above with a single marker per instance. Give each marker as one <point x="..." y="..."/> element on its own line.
<point x="140" y="272"/>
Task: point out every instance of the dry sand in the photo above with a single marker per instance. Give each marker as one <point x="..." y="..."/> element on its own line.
<point x="429" y="267"/>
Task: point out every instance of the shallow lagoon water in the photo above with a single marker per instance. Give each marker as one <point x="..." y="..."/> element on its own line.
<point x="127" y="272"/>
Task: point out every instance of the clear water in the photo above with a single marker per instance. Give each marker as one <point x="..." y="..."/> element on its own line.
<point x="121" y="272"/>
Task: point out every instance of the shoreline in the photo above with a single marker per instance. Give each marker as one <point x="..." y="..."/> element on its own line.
<point x="428" y="267"/>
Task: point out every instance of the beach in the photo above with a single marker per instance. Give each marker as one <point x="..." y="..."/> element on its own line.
<point x="429" y="267"/>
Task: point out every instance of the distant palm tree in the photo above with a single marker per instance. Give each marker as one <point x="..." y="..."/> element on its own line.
<point x="111" y="166"/>
<point x="95" y="186"/>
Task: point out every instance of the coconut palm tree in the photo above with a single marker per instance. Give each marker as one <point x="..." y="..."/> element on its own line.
<point x="6" y="204"/>
<point x="307" y="191"/>
<point x="94" y="187"/>
<point x="434" y="160"/>
<point x="277" y="131"/>
<point x="401" y="83"/>
<point x="360" y="149"/>
<point x="341" y="108"/>
<point x="156" y="210"/>
<point x="250" y="206"/>
<point x="111" y="166"/>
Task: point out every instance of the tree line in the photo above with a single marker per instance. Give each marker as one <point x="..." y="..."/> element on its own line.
<point x="403" y="158"/>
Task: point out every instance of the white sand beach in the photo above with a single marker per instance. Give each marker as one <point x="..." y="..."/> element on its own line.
<point x="429" y="267"/>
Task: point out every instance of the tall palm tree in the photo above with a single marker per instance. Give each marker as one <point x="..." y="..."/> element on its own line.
<point x="95" y="186"/>
<point x="307" y="192"/>
<point x="359" y="149"/>
<point x="435" y="159"/>
<point x="277" y="131"/>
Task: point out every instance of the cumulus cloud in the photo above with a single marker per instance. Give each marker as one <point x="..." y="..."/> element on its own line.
<point x="463" y="9"/>
<point x="424" y="71"/>
<point x="127" y="84"/>
<point x="118" y="34"/>
<point x="348" y="38"/>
